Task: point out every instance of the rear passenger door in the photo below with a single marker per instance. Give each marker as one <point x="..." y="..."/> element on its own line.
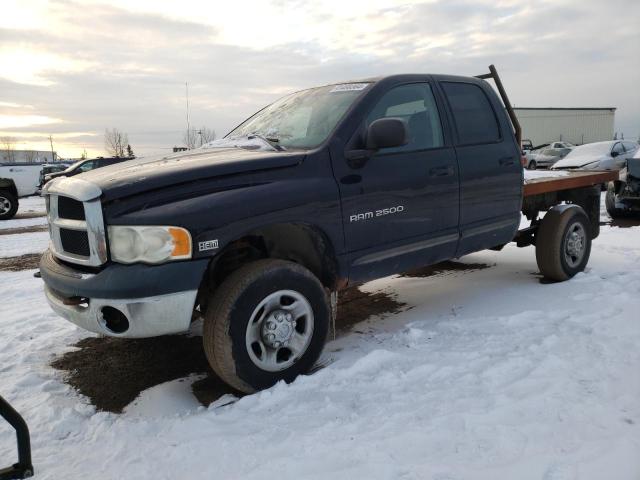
<point x="490" y="168"/>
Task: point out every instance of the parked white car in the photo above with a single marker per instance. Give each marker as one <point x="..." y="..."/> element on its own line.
<point x="611" y="155"/>
<point x="549" y="155"/>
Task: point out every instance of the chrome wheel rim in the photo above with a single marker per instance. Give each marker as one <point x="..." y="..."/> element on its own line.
<point x="279" y="330"/>
<point x="5" y="205"/>
<point x="575" y="245"/>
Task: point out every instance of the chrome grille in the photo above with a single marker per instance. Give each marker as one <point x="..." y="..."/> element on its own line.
<point x="76" y="225"/>
<point x="75" y="242"/>
<point x="70" y="208"/>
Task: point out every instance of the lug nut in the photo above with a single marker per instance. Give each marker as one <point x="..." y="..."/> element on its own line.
<point x="271" y="337"/>
<point x="271" y="326"/>
<point x="276" y="344"/>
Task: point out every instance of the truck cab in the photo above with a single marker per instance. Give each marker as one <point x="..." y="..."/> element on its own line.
<point x="257" y="232"/>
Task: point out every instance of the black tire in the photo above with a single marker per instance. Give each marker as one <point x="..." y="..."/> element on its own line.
<point x="554" y="242"/>
<point x="234" y="304"/>
<point x="610" y="203"/>
<point x="8" y="205"/>
<point x="532" y="165"/>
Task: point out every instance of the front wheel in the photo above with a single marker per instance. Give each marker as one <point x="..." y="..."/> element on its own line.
<point x="533" y="165"/>
<point x="8" y="205"/>
<point x="267" y="322"/>
<point x="563" y="243"/>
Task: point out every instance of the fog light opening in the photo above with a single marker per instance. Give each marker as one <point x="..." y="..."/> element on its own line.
<point x="114" y="320"/>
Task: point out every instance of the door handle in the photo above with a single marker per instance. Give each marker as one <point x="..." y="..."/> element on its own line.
<point x="441" y="171"/>
<point x="506" y="161"/>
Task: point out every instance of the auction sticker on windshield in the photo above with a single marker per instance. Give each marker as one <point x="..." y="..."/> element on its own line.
<point x="348" y="87"/>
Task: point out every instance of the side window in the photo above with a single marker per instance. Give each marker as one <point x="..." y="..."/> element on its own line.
<point x="474" y="117"/>
<point x="618" y="148"/>
<point x="415" y="104"/>
<point x="85" y="167"/>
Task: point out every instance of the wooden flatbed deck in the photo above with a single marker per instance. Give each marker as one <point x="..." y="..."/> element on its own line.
<point x="565" y="180"/>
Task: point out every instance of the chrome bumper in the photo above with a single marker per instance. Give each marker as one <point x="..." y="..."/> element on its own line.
<point x="147" y="317"/>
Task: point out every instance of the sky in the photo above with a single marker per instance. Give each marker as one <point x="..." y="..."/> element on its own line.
<point x="72" y="69"/>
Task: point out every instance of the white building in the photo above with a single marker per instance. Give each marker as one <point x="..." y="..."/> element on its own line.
<point x="27" y="156"/>
<point x="574" y="125"/>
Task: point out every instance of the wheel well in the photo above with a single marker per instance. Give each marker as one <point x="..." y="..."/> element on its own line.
<point x="300" y="243"/>
<point x="8" y="185"/>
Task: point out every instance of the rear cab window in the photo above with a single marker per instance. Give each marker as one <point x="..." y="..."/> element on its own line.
<point x="473" y="115"/>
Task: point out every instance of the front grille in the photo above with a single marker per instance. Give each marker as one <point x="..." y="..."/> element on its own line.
<point x="75" y="242"/>
<point x="76" y="227"/>
<point x="70" y="209"/>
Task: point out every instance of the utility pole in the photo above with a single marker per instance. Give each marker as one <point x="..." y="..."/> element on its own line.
<point x="53" y="155"/>
<point x="199" y="132"/>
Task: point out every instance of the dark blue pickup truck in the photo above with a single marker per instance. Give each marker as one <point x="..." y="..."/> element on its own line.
<point x="327" y="187"/>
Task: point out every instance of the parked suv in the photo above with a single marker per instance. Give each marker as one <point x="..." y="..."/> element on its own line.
<point x="84" y="166"/>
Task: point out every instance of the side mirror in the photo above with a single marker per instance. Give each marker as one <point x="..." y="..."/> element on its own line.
<point x="614" y="154"/>
<point x="386" y="133"/>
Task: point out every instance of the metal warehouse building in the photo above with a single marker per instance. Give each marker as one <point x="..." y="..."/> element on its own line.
<point x="574" y="125"/>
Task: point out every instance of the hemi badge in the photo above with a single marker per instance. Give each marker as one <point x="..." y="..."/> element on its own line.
<point x="208" y="245"/>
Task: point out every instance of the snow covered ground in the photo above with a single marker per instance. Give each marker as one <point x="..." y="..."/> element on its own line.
<point x="490" y="375"/>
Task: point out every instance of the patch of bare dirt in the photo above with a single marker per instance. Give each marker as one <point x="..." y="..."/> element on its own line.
<point x="449" y="267"/>
<point x="624" y="222"/>
<point x="20" y="215"/>
<point x="355" y="306"/>
<point x="13" y="231"/>
<point x="23" y="262"/>
<point x="112" y="372"/>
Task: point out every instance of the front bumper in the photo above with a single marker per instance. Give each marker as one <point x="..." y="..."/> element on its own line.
<point x="153" y="300"/>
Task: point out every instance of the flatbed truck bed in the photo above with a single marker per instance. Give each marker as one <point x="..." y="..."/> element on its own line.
<point x="543" y="191"/>
<point x="565" y="180"/>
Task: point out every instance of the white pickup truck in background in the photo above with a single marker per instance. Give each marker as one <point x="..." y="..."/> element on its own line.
<point x="17" y="180"/>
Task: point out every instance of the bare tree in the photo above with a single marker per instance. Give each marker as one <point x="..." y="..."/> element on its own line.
<point x="31" y="156"/>
<point x="190" y="139"/>
<point x="194" y="138"/>
<point x="8" y="144"/>
<point x="115" y="142"/>
<point x="206" y="135"/>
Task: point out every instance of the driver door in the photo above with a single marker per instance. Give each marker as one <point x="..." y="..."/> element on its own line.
<point x="403" y="202"/>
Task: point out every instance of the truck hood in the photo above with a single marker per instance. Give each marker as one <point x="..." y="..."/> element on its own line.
<point x="155" y="172"/>
<point x="578" y="161"/>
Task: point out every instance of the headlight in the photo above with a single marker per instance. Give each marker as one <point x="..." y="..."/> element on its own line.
<point x="149" y="244"/>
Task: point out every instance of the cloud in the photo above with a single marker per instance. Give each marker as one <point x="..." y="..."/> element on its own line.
<point x="124" y="65"/>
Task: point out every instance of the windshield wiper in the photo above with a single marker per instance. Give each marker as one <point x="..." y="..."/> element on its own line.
<point x="272" y="141"/>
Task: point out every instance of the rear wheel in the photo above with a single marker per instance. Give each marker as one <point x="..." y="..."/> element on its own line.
<point x="8" y="205"/>
<point x="563" y="243"/>
<point x="610" y="203"/>
<point x="533" y="165"/>
<point x="267" y="322"/>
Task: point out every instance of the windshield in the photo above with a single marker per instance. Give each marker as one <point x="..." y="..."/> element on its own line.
<point x="590" y="149"/>
<point x="74" y="165"/>
<point x="303" y="119"/>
